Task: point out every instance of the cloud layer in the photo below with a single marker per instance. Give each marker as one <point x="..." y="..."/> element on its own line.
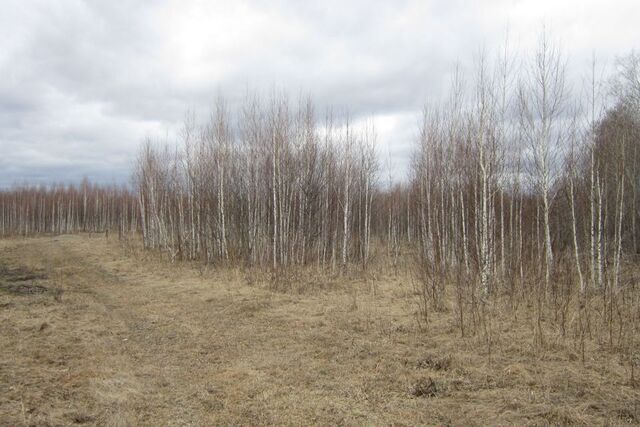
<point x="81" y="83"/>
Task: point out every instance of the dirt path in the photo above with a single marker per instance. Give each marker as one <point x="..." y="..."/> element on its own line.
<point x="126" y="344"/>
<point x="117" y="340"/>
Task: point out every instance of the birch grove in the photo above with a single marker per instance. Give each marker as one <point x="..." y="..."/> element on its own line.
<point x="516" y="187"/>
<point x="270" y="187"/>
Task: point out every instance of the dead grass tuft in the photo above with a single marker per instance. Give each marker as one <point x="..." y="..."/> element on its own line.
<point x="427" y="387"/>
<point x="435" y="362"/>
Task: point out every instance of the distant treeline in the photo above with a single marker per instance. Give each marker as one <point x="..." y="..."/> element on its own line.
<point x="58" y="209"/>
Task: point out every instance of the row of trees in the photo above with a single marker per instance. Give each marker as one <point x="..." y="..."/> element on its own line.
<point x="58" y="209"/>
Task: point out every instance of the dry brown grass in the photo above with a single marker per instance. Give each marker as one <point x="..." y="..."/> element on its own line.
<point x="114" y="336"/>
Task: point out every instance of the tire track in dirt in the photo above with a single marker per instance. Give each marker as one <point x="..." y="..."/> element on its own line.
<point x="172" y="350"/>
<point x="85" y="332"/>
<point x="141" y="370"/>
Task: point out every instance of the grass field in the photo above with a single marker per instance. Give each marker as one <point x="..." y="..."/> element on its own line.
<point x="98" y="335"/>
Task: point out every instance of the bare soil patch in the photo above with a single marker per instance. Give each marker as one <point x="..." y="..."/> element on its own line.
<point x="21" y="280"/>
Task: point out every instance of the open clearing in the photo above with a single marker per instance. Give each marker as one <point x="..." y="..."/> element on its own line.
<point x="93" y="335"/>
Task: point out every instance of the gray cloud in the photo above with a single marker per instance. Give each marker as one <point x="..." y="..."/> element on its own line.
<point x="81" y="83"/>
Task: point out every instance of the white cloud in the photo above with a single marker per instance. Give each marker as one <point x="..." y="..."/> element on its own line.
<point x="82" y="82"/>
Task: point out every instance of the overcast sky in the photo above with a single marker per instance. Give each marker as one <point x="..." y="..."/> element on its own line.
<point x="82" y="83"/>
